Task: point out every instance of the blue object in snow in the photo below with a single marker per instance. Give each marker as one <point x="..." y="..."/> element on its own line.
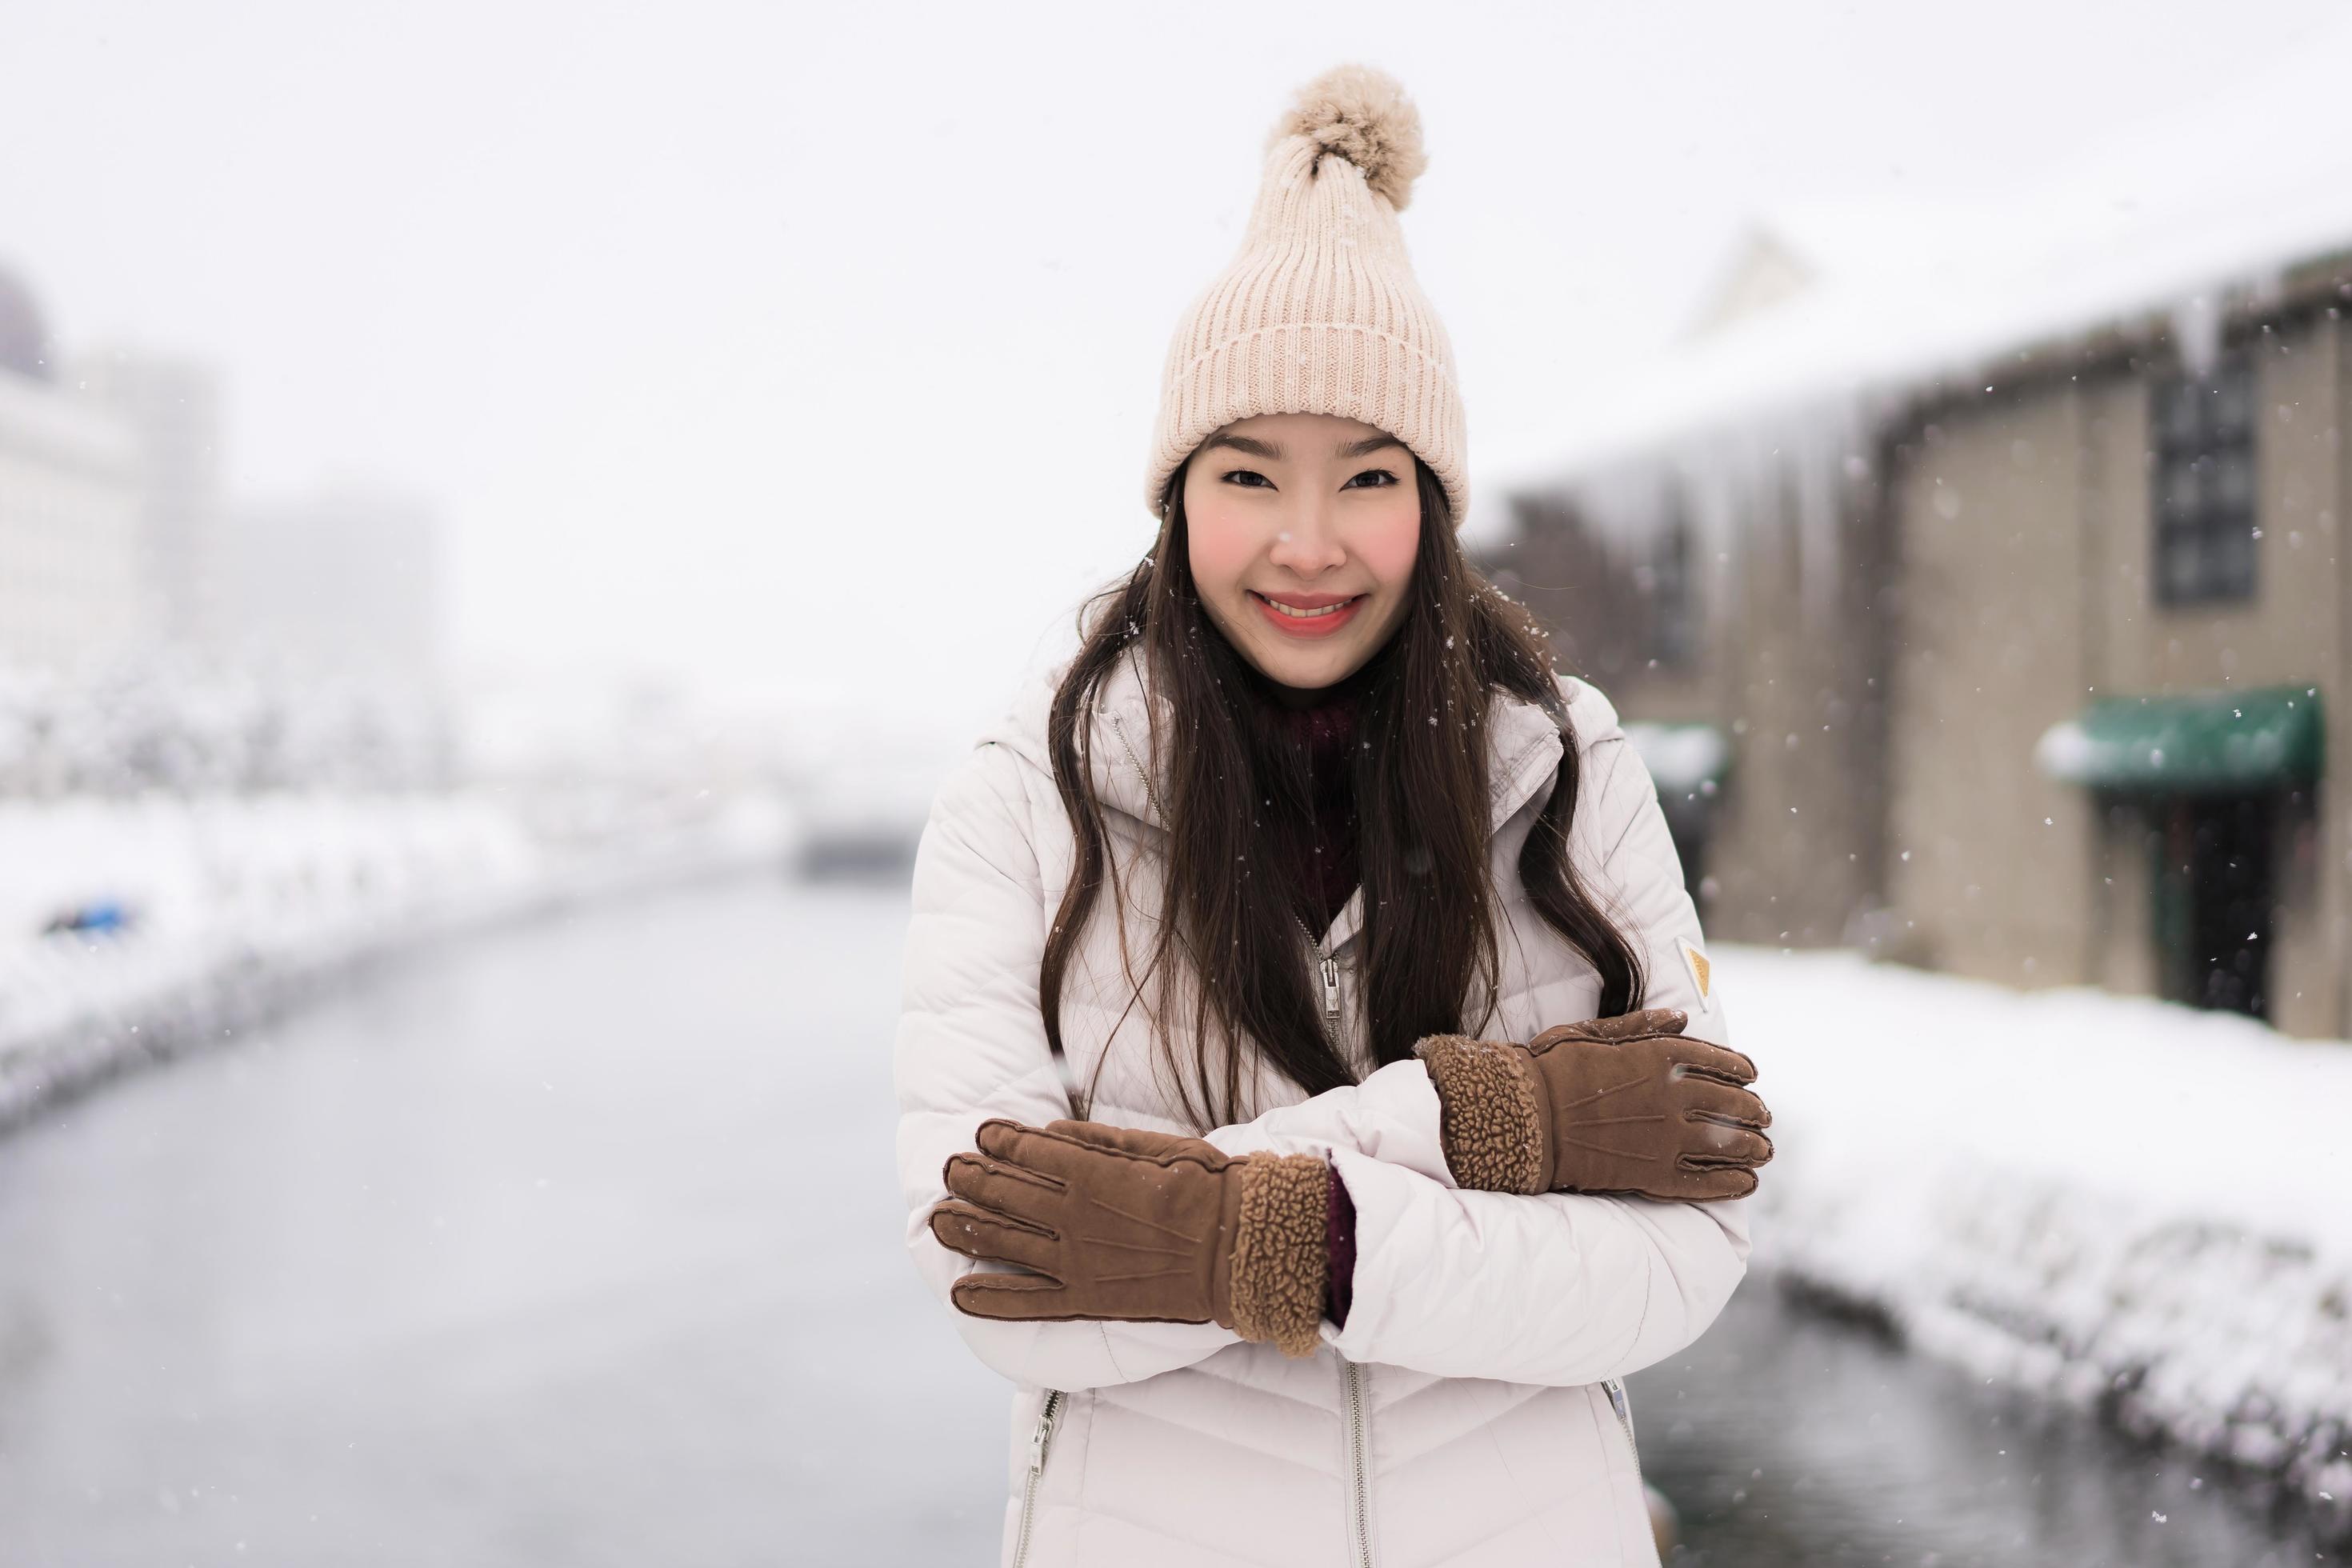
<point x="105" y="914"/>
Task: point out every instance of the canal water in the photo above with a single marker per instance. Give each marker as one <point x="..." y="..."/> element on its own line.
<point x="578" y="1245"/>
<point x="1789" y="1440"/>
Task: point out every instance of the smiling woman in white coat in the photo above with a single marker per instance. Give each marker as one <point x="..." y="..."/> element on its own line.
<point x="1313" y="1095"/>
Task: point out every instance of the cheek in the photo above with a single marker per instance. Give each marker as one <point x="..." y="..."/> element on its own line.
<point x="1389" y="546"/>
<point x="1218" y="548"/>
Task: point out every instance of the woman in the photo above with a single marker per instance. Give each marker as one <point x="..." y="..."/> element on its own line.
<point x="1328" y="907"/>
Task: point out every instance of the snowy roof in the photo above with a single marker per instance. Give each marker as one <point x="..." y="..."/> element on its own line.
<point x="2176" y="214"/>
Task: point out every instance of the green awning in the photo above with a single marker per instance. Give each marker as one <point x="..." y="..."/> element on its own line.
<point x="1683" y="759"/>
<point x="2211" y="743"/>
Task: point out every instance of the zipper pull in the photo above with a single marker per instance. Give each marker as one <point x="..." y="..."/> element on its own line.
<point x="1037" y="1439"/>
<point x="1330" y="987"/>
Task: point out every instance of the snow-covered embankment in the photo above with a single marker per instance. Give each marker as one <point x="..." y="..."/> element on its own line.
<point x="2129" y="1205"/>
<point x="240" y="903"/>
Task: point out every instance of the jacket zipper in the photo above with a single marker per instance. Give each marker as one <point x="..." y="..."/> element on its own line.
<point x="1135" y="761"/>
<point x="1350" y="1378"/>
<point x="1037" y="1442"/>
<point x="1618" y="1402"/>
<point x="1327" y="968"/>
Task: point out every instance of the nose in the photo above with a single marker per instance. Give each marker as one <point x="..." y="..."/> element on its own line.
<point x="1307" y="542"/>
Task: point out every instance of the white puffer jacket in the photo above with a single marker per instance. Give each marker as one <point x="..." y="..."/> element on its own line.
<point x="1469" y="1414"/>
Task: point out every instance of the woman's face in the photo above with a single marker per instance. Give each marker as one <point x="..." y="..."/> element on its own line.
<point x="1303" y="528"/>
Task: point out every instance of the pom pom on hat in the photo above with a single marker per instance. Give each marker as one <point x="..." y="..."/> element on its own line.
<point x="1362" y="115"/>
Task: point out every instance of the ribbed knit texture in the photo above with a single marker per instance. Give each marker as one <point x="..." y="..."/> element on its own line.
<point x="1309" y="815"/>
<point x="1320" y="312"/>
<point x="1303" y="759"/>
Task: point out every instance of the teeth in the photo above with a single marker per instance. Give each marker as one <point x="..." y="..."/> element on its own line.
<point x="1309" y="614"/>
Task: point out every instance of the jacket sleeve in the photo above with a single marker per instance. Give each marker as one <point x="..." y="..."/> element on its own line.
<point x="970" y="1044"/>
<point x="1559" y="1287"/>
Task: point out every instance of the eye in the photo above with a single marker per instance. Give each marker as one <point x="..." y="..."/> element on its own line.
<point x="1381" y="477"/>
<point x="1245" y="477"/>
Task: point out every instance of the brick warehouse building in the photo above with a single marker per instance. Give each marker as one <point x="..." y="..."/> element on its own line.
<point x="1997" y="638"/>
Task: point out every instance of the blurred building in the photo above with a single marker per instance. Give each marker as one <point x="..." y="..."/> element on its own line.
<point x="344" y="583"/>
<point x="152" y="637"/>
<point x="1985" y="611"/>
<point x="172" y="407"/>
<point x="76" y="589"/>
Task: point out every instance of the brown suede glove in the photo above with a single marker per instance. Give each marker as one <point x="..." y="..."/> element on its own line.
<point x="1140" y="1227"/>
<point x="1610" y="1105"/>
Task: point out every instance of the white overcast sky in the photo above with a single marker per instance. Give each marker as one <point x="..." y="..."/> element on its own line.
<point x="809" y="352"/>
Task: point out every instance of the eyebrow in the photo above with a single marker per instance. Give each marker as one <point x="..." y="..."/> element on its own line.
<point x="1272" y="452"/>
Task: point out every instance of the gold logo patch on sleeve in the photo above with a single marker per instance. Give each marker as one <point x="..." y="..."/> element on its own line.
<point x="1701" y="971"/>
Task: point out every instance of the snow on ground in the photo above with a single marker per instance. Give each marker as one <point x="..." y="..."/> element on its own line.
<point x="236" y="903"/>
<point x="2129" y="1205"/>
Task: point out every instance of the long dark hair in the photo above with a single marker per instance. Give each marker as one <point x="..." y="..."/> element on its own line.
<point x="1420" y="792"/>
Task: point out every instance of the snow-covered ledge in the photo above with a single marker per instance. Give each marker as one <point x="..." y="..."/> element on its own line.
<point x="2131" y="1207"/>
<point x="241" y="903"/>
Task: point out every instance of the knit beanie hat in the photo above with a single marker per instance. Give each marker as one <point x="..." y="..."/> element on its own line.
<point x="1320" y="312"/>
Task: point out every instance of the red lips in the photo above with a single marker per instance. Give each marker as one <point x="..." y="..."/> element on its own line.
<point x="1321" y="625"/>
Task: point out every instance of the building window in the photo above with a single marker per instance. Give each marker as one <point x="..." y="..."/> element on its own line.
<point x="2204" y="484"/>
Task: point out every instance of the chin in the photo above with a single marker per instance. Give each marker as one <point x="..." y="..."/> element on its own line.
<point x="1325" y="667"/>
